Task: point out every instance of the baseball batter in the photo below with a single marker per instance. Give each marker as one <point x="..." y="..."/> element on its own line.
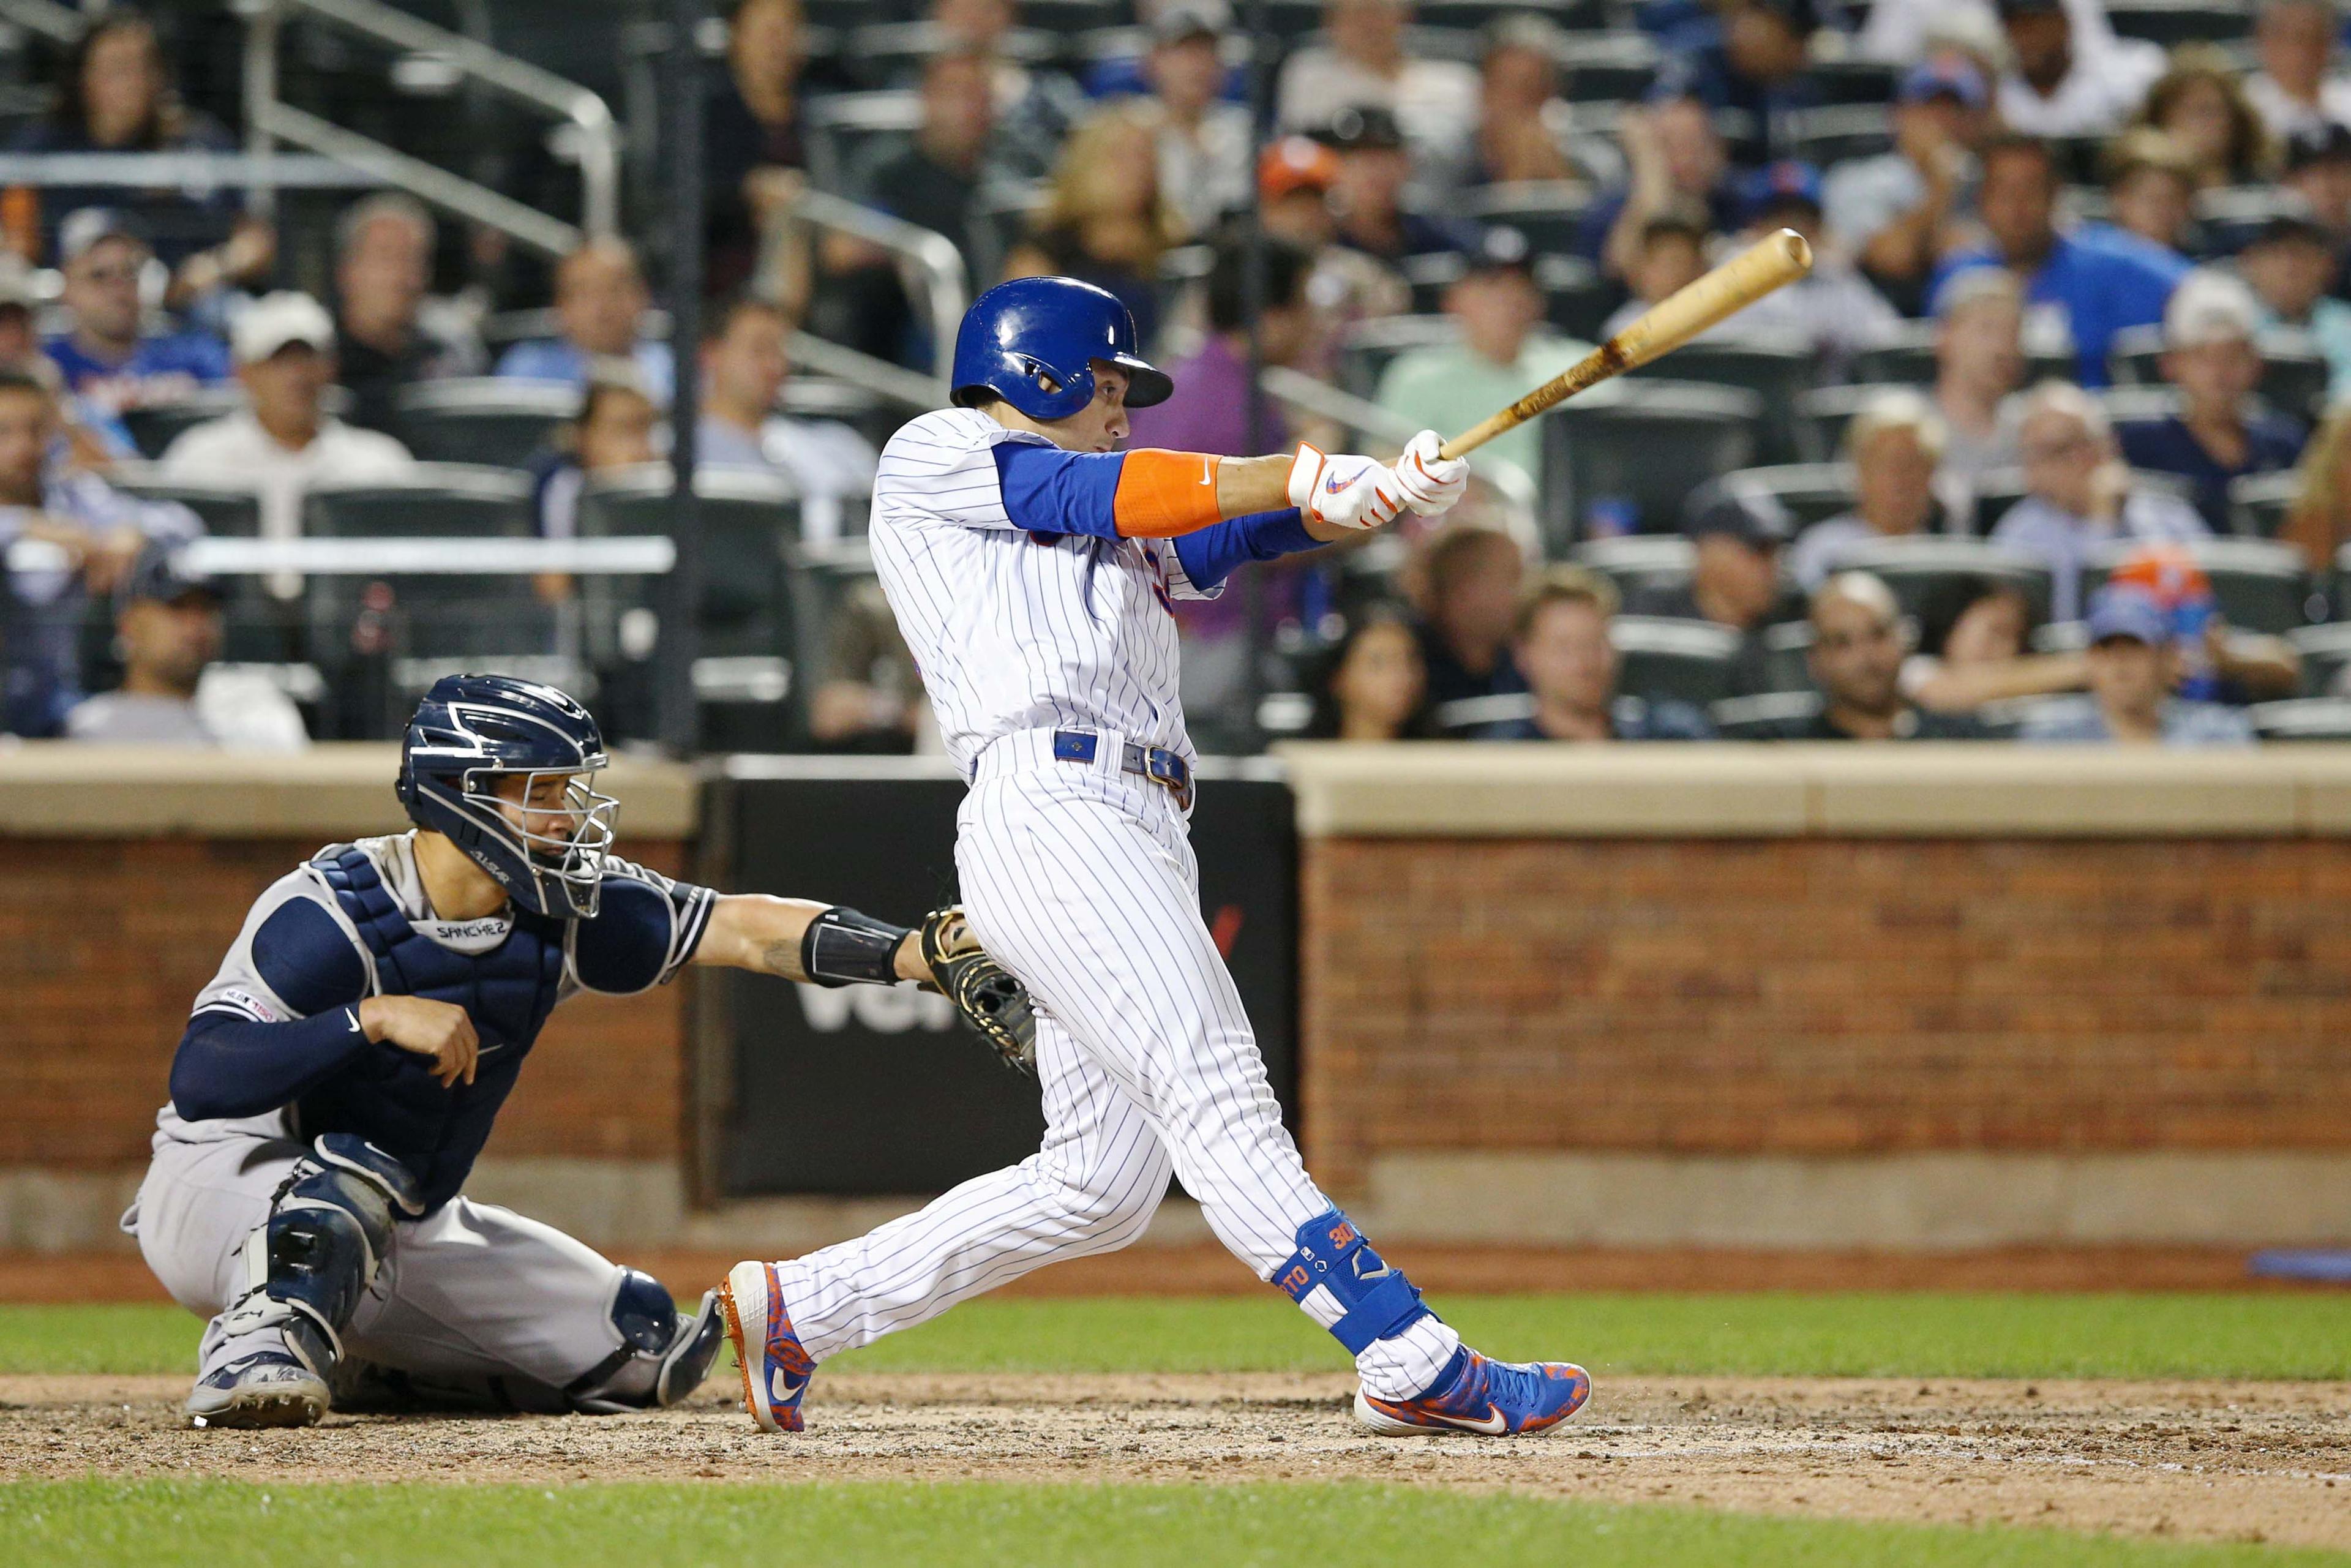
<point x="1030" y="564"/>
<point x="339" y="1074"/>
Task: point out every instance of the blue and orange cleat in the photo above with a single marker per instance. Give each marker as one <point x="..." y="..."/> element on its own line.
<point x="1491" y="1398"/>
<point x="774" y="1379"/>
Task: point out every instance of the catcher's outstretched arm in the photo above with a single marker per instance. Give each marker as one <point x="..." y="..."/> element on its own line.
<point x="782" y="935"/>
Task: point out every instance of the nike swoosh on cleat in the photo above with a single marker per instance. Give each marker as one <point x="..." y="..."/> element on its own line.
<point x="782" y="1389"/>
<point x="1495" y="1424"/>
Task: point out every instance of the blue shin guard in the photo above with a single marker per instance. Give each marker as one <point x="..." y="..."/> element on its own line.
<point x="1373" y="1299"/>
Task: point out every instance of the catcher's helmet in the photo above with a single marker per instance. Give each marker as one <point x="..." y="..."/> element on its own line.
<point x="1033" y="341"/>
<point x="471" y="731"/>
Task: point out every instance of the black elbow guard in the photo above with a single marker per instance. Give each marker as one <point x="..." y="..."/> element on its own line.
<point x="842" y="948"/>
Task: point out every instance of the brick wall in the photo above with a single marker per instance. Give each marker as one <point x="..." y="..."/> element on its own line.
<point x="1823" y="995"/>
<point x="104" y="944"/>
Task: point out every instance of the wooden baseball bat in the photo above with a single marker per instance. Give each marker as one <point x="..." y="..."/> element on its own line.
<point x="1770" y="263"/>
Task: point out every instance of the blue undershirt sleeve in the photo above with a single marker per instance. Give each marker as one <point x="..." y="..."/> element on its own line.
<point x="1049" y="491"/>
<point x="232" y="1066"/>
<point x="1210" y="555"/>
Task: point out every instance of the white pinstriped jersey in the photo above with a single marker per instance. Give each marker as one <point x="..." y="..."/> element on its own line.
<point x="1015" y="629"/>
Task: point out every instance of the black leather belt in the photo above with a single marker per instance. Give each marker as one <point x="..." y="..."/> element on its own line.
<point x="1161" y="766"/>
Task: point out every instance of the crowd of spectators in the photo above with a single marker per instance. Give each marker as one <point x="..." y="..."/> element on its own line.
<point x="2038" y="208"/>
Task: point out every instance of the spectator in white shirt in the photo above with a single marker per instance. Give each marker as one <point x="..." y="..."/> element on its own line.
<point x="2297" y="88"/>
<point x="1978" y="366"/>
<point x="744" y="368"/>
<point x="1204" y="142"/>
<point x="2068" y="80"/>
<point x="1363" y="63"/>
<point x="2080" y="492"/>
<point x="1894" y="445"/>
<point x="284" y="444"/>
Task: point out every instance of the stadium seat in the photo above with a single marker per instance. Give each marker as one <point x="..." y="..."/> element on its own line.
<point x="493" y="420"/>
<point x="1576" y="299"/>
<point x="2325" y="653"/>
<point x="1548" y="212"/>
<point x="1606" y="66"/>
<point x="1628" y="452"/>
<point x="2172" y="22"/>
<point x="890" y="53"/>
<point x="224" y="509"/>
<point x="426" y="616"/>
<point x="1636" y="563"/>
<point x="1812" y="492"/>
<point x="1824" y="137"/>
<point x="840" y="126"/>
<point x="1368" y="346"/>
<point x="1778" y="373"/>
<point x="2260" y="585"/>
<point x="1908" y="358"/>
<point x="2302" y="718"/>
<point x="1822" y="413"/>
<point x="1765" y="717"/>
<point x="1915" y="568"/>
<point x="1995" y="493"/>
<point x="1854" y="81"/>
<point x="1787" y="653"/>
<point x="157" y="425"/>
<point x="2258" y="503"/>
<point x="1689" y="660"/>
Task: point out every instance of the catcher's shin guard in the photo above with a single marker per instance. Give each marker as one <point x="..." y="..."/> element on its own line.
<point x="328" y="1230"/>
<point x="661" y="1358"/>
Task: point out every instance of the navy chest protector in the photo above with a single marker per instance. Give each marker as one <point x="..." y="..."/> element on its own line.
<point x="390" y="1097"/>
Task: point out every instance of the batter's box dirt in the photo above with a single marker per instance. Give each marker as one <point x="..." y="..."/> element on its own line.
<point x="2204" y="1460"/>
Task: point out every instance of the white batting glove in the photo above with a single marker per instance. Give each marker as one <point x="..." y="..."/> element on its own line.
<point x="1343" y="490"/>
<point x="1431" y="484"/>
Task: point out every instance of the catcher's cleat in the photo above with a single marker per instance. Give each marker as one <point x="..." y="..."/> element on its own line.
<point x="776" y="1367"/>
<point x="267" y="1388"/>
<point x="1489" y="1398"/>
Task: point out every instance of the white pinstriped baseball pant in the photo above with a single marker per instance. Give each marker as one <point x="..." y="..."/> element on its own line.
<point x="1081" y="880"/>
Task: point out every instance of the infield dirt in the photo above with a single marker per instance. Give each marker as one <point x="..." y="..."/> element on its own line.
<point x="2234" y="1461"/>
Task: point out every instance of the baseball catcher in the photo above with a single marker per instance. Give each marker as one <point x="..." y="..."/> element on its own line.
<point x="341" y="1071"/>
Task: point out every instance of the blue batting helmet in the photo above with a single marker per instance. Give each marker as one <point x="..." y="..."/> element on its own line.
<point x="1033" y="341"/>
<point x="469" y="732"/>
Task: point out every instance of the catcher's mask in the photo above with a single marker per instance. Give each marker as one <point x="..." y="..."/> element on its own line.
<point x="546" y="839"/>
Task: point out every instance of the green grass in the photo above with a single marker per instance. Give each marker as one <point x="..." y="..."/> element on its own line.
<point x="158" y="1524"/>
<point x="1912" y="1335"/>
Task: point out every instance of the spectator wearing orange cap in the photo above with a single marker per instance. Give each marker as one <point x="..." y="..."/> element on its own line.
<point x="1295" y="176"/>
<point x="2217" y="663"/>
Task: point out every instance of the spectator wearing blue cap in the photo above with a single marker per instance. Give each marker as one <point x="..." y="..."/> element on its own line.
<point x="2093" y="281"/>
<point x="1504" y="349"/>
<point x="2134" y="667"/>
<point x="1896" y="213"/>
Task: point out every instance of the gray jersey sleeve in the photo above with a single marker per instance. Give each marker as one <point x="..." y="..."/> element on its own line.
<point x="646" y="928"/>
<point x="295" y="956"/>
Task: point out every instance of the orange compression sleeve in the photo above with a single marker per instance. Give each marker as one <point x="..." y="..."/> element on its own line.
<point x="1162" y="494"/>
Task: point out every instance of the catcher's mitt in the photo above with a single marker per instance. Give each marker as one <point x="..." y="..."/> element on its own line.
<point x="991" y="1001"/>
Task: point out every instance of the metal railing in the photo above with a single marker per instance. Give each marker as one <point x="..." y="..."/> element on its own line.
<point x="933" y="256"/>
<point x="595" y="141"/>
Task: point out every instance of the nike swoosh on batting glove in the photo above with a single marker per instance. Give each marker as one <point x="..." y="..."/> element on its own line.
<point x="1431" y="484"/>
<point x="1343" y="490"/>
